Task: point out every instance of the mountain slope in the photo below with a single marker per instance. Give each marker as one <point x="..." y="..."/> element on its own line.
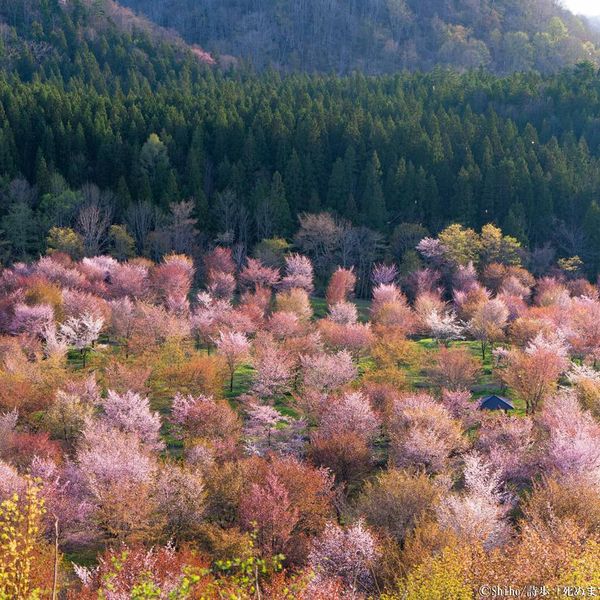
<point x="381" y="35"/>
<point x="94" y="41"/>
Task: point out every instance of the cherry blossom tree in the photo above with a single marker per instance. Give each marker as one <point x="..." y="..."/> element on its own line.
<point x="349" y="554"/>
<point x="221" y="285"/>
<point x="396" y="501"/>
<point x="129" y="279"/>
<point x="82" y="332"/>
<point x="267" y="430"/>
<point x="583" y="330"/>
<point x="55" y="346"/>
<point x="507" y="443"/>
<point x="11" y="482"/>
<point x="354" y="337"/>
<point x="123" y="320"/>
<point x="433" y="251"/>
<point x="219" y="259"/>
<point x="351" y="413"/>
<point x="390" y="308"/>
<point x="173" y="277"/>
<point x="256" y="275"/>
<point x="585" y="381"/>
<point x="465" y="278"/>
<point x="459" y="405"/>
<point x="455" y="369"/>
<point x="235" y="348"/>
<point x="76" y="303"/>
<point x="274" y="369"/>
<point x="533" y="373"/>
<point x="298" y="273"/>
<point x="130" y="412"/>
<point x="118" y="473"/>
<point x="295" y="301"/>
<point x="443" y="326"/>
<point x="341" y="285"/>
<point x="284" y="325"/>
<point x="268" y="508"/>
<point x="383" y="274"/>
<point x="343" y="313"/>
<point x="33" y="320"/>
<point x="181" y="501"/>
<point x="327" y="372"/>
<point x="309" y="493"/>
<point x="67" y="416"/>
<point x="422" y="433"/>
<point x="204" y="420"/>
<point x="572" y="449"/>
<point x="488" y="323"/>
<point x="479" y="513"/>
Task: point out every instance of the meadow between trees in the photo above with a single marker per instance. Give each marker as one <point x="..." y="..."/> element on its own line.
<point x="212" y="429"/>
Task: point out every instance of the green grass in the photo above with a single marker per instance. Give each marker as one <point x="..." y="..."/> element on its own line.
<point x="486" y="385"/>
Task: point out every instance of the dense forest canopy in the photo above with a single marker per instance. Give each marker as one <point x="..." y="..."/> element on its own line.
<point x="136" y="113"/>
<point x="381" y="36"/>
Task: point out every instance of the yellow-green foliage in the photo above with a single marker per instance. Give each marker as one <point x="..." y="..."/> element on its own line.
<point x="585" y="570"/>
<point x="441" y="578"/>
<point x="20" y="521"/>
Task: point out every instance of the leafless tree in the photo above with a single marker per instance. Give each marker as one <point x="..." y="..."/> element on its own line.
<point x="183" y="227"/>
<point x="141" y="220"/>
<point x="94" y="219"/>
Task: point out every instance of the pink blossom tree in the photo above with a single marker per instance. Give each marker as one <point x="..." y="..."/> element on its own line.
<point x="341" y="285"/>
<point x="479" y="513"/>
<point x="354" y="337"/>
<point x="383" y="274"/>
<point x="464" y="278"/>
<point x="343" y="313"/>
<point x="274" y="369"/>
<point x="122" y="320"/>
<point x="571" y="450"/>
<point x="181" y="501"/>
<point x="202" y="420"/>
<point x="267" y="430"/>
<point x="443" y="326"/>
<point x="351" y="413"/>
<point x="507" y="443"/>
<point x="422" y="434"/>
<point x="235" y="348"/>
<point x="348" y="554"/>
<point x="283" y="324"/>
<point x="298" y="273"/>
<point x="326" y="373"/>
<point x="32" y="320"/>
<point x="129" y="279"/>
<point x="255" y="275"/>
<point x="81" y="333"/>
<point x="173" y="277"/>
<point x="488" y="323"/>
<point x="118" y="473"/>
<point x="130" y="412"/>
<point x="267" y="507"/>
<point x="390" y="308"/>
<point x="221" y="285"/>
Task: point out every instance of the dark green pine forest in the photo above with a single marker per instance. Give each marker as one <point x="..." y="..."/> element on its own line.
<point x="98" y="106"/>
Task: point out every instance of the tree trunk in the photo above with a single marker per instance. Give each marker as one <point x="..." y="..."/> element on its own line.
<point x="55" y="573"/>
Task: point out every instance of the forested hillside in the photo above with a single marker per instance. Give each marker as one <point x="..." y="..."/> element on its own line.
<point x="95" y="42"/>
<point x="99" y="107"/>
<point x="253" y="153"/>
<point x="381" y="36"/>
